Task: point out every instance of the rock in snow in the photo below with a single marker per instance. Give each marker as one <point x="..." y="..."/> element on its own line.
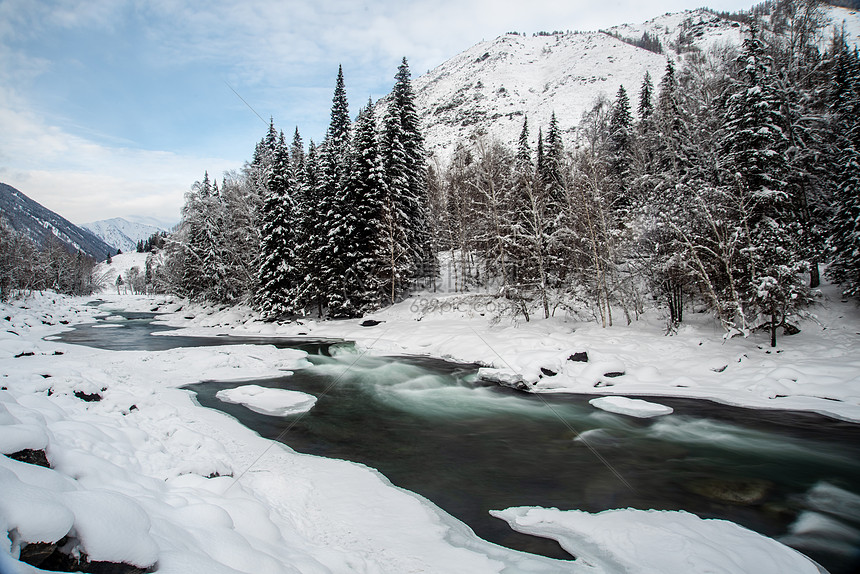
<point x="503" y="378"/>
<point x="631" y="407"/>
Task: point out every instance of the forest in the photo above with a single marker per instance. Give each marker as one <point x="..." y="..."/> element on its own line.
<point x="721" y="187"/>
<point x="26" y="266"/>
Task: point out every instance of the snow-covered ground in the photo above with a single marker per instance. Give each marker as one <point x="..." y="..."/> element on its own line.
<point x="146" y="476"/>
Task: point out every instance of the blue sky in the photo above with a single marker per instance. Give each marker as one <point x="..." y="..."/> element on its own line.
<point x="111" y="108"/>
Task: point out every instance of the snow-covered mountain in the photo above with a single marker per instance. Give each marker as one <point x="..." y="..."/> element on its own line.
<point x="121" y="233"/>
<point x="42" y="225"/>
<point x="486" y="91"/>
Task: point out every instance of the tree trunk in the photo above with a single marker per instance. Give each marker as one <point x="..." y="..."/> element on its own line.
<point x="814" y="277"/>
<point x="773" y="327"/>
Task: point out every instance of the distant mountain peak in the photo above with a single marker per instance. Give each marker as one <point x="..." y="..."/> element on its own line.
<point x="121" y="233"/>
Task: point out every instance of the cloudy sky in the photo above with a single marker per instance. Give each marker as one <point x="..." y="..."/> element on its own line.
<point x="111" y="108"/>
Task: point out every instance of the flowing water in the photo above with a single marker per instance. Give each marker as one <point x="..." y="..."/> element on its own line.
<point x="430" y="427"/>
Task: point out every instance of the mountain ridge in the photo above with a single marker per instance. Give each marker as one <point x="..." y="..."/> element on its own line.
<point x="486" y="91"/>
<point x="40" y="224"/>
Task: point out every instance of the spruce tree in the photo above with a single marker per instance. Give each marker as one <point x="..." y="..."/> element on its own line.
<point x="338" y="213"/>
<point x="844" y="234"/>
<point x="620" y="153"/>
<point x="552" y="158"/>
<point x="409" y="252"/>
<point x="646" y="104"/>
<point x="367" y="189"/>
<point x="755" y="146"/>
<point x="311" y="242"/>
<point x="276" y="276"/>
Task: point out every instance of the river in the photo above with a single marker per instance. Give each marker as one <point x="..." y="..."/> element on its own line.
<point x="431" y="427"/>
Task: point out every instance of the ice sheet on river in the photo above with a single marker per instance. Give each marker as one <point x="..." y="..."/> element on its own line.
<point x="266" y="401"/>
<point x="631" y="407"/>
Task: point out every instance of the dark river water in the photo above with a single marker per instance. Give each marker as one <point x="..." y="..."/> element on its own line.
<point x="430" y="427"/>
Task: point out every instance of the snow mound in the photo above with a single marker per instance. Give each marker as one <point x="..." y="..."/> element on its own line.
<point x="266" y="401"/>
<point x="658" y="541"/>
<point x="630" y="407"/>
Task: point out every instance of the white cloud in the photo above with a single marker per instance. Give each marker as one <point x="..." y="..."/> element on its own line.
<point x="83" y="180"/>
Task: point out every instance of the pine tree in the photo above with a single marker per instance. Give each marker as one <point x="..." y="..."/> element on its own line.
<point x="646" y="105"/>
<point x="524" y="151"/>
<point x="550" y="165"/>
<point x="755" y="146"/>
<point x="409" y="251"/>
<point x="367" y="189"/>
<point x="844" y="234"/>
<point x="335" y="258"/>
<point x="276" y="275"/>
<point x="310" y="291"/>
<point x="620" y="153"/>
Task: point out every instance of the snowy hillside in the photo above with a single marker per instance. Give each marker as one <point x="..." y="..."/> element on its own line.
<point x="42" y="225"/>
<point x="120" y="265"/>
<point x="850" y="19"/>
<point x="121" y="233"/>
<point x="486" y="91"/>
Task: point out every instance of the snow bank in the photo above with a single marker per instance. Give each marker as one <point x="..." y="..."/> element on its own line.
<point x="631" y="407"/>
<point x="274" y="402"/>
<point x="658" y="542"/>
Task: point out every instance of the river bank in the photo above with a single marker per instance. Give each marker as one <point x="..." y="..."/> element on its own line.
<point x="817" y="369"/>
<point x="193" y="490"/>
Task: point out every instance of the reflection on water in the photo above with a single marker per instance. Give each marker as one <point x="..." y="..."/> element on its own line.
<point x="431" y="428"/>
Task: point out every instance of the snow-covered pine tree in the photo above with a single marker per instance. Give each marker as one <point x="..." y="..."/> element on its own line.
<point x="414" y="201"/>
<point x="299" y="230"/>
<point x="399" y="256"/>
<point x="844" y="234"/>
<point x="646" y="97"/>
<point x="551" y="161"/>
<point x="310" y="220"/>
<point x="275" y="276"/>
<point x="620" y="155"/>
<point x="409" y="252"/>
<point x="549" y="176"/>
<point x="337" y="255"/>
<point x="297" y="157"/>
<point x="755" y="145"/>
<point x="366" y="188"/>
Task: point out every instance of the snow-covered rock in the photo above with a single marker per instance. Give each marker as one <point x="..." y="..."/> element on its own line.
<point x="503" y="377"/>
